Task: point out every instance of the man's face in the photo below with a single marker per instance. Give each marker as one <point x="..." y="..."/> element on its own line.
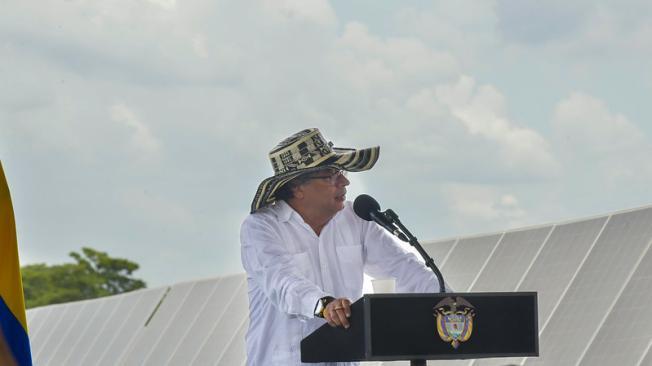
<point x="325" y="191"/>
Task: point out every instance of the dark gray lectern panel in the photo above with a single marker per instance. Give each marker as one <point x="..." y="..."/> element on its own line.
<point x="327" y="344"/>
<point x="387" y="327"/>
<point x="502" y="326"/>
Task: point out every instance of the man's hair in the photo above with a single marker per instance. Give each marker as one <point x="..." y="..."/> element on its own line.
<point x="286" y="192"/>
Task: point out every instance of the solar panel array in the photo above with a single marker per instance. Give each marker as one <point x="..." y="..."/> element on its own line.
<point x="193" y="323"/>
<point x="593" y="276"/>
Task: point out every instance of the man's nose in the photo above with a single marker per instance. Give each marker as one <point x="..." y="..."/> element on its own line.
<point x="343" y="181"/>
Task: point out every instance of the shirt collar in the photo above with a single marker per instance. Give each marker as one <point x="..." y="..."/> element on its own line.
<point x="284" y="212"/>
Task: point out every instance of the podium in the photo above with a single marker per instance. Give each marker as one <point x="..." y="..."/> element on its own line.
<point x="440" y="326"/>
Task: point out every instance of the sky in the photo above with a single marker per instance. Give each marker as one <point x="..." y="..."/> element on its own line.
<point x="141" y="127"/>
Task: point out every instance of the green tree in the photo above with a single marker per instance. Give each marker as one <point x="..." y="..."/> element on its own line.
<point x="95" y="274"/>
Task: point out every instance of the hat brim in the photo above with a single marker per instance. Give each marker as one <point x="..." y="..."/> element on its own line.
<point x="351" y="160"/>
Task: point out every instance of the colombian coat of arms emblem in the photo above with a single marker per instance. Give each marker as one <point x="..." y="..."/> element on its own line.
<point x="454" y="318"/>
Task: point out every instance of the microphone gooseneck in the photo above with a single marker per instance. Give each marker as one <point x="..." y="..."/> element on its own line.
<point x="367" y="208"/>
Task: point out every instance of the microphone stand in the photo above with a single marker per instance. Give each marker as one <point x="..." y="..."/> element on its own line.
<point x="415" y="243"/>
<point x="429" y="261"/>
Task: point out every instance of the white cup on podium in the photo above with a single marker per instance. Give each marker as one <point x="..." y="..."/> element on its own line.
<point x="384" y="286"/>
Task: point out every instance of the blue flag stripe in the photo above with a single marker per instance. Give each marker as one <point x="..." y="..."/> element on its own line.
<point x="15" y="336"/>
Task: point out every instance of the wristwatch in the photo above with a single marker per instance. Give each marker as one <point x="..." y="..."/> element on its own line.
<point x="321" y="305"/>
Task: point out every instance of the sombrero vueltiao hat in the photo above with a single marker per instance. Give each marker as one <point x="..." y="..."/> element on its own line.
<point x="305" y="152"/>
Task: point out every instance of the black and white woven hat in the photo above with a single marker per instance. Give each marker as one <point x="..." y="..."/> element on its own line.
<point x="305" y="152"/>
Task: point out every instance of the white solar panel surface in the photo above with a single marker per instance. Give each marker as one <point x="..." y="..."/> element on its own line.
<point x="467" y="260"/>
<point x="596" y="286"/>
<point x="509" y="261"/>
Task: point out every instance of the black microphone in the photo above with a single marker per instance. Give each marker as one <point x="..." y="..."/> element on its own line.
<point x="367" y="208"/>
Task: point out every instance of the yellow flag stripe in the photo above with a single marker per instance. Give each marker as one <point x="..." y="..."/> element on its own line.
<point x="11" y="285"/>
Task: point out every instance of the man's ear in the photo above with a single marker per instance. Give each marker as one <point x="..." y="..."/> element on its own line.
<point x="297" y="192"/>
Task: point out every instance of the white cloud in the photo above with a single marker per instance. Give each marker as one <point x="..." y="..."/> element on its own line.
<point x="603" y="144"/>
<point x="199" y="45"/>
<point x="483" y="205"/>
<point x="317" y="11"/>
<point x="141" y="42"/>
<point x="166" y="4"/>
<point x="586" y="124"/>
<point x="140" y="136"/>
<point x="482" y="111"/>
<point x="612" y="26"/>
<point x="535" y="22"/>
<point x="581" y="34"/>
<point x="371" y="62"/>
<point x="156" y="210"/>
<point x="464" y="28"/>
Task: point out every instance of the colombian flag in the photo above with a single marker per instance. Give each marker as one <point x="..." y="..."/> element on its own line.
<point x="14" y="343"/>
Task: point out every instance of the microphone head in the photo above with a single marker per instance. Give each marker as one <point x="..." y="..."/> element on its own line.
<point x="363" y="205"/>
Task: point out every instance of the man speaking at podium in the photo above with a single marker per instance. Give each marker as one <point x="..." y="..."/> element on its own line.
<point x="305" y="250"/>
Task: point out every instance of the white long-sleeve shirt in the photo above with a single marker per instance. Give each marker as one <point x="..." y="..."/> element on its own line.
<point x="289" y="268"/>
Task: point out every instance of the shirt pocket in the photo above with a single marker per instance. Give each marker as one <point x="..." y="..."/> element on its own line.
<point x="350" y="260"/>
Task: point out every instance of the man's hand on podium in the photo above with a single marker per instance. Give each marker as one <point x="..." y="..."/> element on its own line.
<point x="337" y="312"/>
